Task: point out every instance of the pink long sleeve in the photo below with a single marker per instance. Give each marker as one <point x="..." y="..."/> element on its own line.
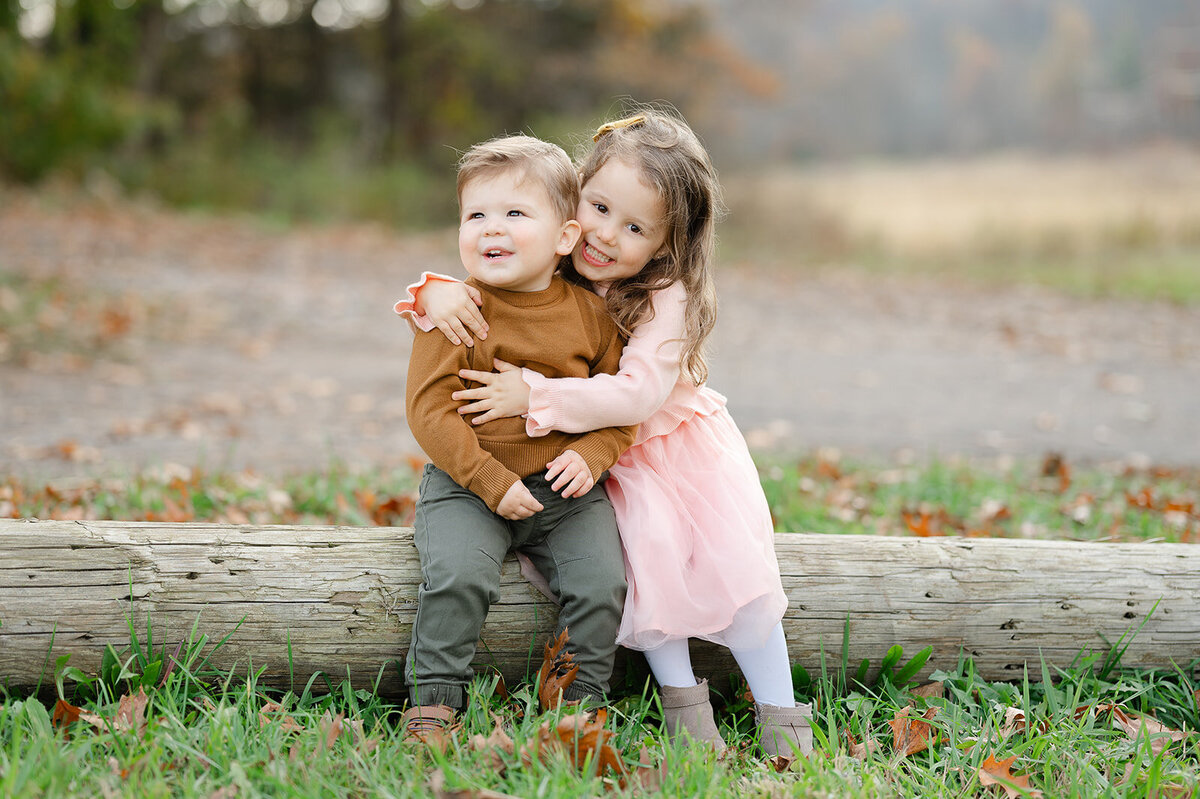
<point x="407" y="306"/>
<point x="648" y="388"/>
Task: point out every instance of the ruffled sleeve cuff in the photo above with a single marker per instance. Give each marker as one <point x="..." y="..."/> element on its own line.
<point x="545" y="408"/>
<point x="406" y="308"/>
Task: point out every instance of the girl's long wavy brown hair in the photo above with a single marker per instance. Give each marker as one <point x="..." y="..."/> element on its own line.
<point x="671" y="160"/>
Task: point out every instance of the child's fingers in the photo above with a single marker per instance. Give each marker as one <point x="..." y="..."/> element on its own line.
<point x="474" y="320"/>
<point x="554" y="467"/>
<point x="461" y="331"/>
<point x="483" y="418"/>
<point x="579" y="486"/>
<point x="448" y="331"/>
<point x="475" y="376"/>
<point x="473" y="407"/>
<point x="476" y="296"/>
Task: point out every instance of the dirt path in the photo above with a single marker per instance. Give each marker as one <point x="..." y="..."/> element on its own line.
<point x="278" y="350"/>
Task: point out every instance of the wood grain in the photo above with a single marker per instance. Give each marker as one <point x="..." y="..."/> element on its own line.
<point x="343" y="599"/>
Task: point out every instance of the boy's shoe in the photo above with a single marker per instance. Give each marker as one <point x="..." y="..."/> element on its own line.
<point x="427" y="724"/>
<point x="688" y="710"/>
<point x="784" y="730"/>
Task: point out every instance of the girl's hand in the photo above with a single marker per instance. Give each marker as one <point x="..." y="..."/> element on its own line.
<point x="453" y="308"/>
<point x="518" y="503"/>
<point x="503" y="393"/>
<point x="572" y="473"/>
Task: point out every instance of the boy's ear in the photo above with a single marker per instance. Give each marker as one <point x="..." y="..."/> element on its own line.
<point x="571" y="231"/>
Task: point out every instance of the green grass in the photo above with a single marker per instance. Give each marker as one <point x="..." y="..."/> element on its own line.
<point x="210" y="734"/>
<point x="207" y="732"/>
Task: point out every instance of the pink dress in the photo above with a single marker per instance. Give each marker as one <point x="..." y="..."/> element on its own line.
<point x="697" y="532"/>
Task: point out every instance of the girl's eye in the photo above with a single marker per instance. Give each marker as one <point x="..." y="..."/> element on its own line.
<point x="635" y="229"/>
<point x="601" y="207"/>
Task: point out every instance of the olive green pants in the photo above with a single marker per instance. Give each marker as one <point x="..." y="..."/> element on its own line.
<point x="573" y="542"/>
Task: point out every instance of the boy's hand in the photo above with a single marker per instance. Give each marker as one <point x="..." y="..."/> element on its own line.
<point x="453" y="308"/>
<point x="572" y="472"/>
<point x="503" y="393"/>
<point x="518" y="503"/>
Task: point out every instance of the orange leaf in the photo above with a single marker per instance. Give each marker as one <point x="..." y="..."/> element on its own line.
<point x="331" y="727"/>
<point x="581" y="738"/>
<point x="910" y="735"/>
<point x="64" y="713"/>
<point x="131" y="712"/>
<point x="931" y="690"/>
<point x="996" y="772"/>
<point x="558" y="671"/>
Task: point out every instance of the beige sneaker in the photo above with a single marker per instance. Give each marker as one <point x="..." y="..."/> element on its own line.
<point x="784" y="730"/>
<point x="688" y="710"/>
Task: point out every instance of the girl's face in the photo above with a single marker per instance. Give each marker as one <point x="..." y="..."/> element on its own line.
<point x="623" y="225"/>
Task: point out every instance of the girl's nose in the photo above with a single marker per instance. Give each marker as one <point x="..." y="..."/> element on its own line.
<point x="607" y="233"/>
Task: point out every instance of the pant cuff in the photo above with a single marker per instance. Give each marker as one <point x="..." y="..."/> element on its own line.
<point x="438" y="693"/>
<point x="577" y="692"/>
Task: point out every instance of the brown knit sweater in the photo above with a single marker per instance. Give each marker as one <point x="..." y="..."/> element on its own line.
<point x="563" y="331"/>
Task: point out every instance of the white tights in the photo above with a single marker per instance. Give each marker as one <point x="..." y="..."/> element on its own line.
<point x="766" y="669"/>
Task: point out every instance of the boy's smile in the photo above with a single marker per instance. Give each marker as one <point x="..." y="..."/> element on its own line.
<point x="623" y="225"/>
<point x="509" y="235"/>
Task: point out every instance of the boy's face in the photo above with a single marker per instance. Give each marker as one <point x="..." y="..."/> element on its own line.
<point x="509" y="235"/>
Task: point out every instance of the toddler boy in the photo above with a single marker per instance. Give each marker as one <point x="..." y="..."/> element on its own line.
<point x="491" y="487"/>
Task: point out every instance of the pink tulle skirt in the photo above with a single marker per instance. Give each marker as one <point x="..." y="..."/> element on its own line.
<point x="698" y="539"/>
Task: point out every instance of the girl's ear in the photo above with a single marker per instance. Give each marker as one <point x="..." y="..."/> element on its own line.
<point x="568" y="237"/>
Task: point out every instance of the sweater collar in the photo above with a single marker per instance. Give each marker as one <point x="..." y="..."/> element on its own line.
<point x="556" y="292"/>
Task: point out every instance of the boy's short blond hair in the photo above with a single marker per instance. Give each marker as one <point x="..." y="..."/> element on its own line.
<point x="539" y="160"/>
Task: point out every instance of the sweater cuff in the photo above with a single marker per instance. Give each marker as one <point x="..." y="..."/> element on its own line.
<point x="492" y="482"/>
<point x="405" y="307"/>
<point x="545" y="409"/>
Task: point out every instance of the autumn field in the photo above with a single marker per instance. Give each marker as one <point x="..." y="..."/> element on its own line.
<point x="83" y="348"/>
<point x="1124" y="224"/>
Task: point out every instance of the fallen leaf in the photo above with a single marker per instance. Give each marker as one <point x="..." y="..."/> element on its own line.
<point x="273" y="710"/>
<point x="65" y="713"/>
<point x="497" y="742"/>
<point x="647" y="777"/>
<point x="931" y="690"/>
<point x="1137" y="726"/>
<point x="558" y="671"/>
<point x="331" y="728"/>
<point x="131" y="712"/>
<point x="1014" y="722"/>
<point x="437" y="784"/>
<point x="912" y="735"/>
<point x="581" y="738"/>
<point x="997" y="772"/>
<point x="859" y="751"/>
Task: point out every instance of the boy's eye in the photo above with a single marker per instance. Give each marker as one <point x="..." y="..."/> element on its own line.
<point x="475" y="215"/>
<point x="515" y="212"/>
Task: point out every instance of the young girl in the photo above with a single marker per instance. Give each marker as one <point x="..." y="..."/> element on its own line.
<point x="697" y="533"/>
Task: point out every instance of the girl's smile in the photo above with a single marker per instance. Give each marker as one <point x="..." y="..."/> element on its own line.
<point x="623" y="225"/>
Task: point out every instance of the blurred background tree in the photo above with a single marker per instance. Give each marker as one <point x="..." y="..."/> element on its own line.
<point x="349" y="108"/>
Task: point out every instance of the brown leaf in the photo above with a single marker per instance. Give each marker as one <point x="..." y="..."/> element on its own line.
<point x="1138" y="726"/>
<point x="558" y="671"/>
<point x="859" y="751"/>
<point x="580" y="737"/>
<point x="65" y="713"/>
<point x="930" y="690"/>
<point x="331" y="728"/>
<point x="1014" y="722"/>
<point x="996" y="772"/>
<point x="131" y="712"/>
<point x="274" y="710"/>
<point x="912" y="735"/>
<point x="497" y="742"/>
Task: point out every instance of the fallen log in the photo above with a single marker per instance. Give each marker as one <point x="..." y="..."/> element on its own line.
<point x="340" y="600"/>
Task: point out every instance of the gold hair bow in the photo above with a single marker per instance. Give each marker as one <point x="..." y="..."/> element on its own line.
<point x="609" y="127"/>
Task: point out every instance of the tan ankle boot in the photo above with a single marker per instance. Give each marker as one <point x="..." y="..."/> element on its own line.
<point x="782" y="730"/>
<point x="428" y="724"/>
<point x="688" y="710"/>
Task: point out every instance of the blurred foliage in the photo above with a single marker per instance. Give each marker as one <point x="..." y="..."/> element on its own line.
<point x="278" y="105"/>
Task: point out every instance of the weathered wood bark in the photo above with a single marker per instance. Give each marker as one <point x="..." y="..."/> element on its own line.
<point x="345" y="598"/>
